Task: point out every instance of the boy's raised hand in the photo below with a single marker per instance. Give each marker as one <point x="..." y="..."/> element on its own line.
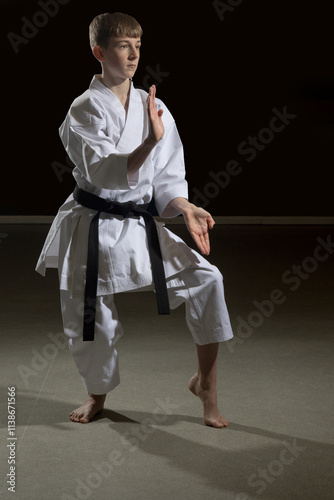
<point x="157" y="129"/>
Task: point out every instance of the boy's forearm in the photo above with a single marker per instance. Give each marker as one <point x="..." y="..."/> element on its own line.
<point x="137" y="158"/>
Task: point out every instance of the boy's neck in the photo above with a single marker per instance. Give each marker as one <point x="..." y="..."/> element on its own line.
<point x="119" y="87"/>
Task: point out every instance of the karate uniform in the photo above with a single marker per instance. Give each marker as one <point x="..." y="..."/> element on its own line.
<point x="98" y="136"/>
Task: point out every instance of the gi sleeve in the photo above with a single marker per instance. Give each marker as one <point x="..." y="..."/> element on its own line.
<point x="169" y="180"/>
<point x="92" y="150"/>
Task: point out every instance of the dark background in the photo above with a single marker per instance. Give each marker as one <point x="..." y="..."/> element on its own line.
<point x="222" y="80"/>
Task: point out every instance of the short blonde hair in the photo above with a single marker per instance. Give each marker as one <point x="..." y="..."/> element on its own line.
<point x="104" y="26"/>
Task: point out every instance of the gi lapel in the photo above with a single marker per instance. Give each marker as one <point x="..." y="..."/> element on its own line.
<point x="109" y="98"/>
<point x="133" y="133"/>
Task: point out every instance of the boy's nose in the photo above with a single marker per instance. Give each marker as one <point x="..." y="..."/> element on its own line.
<point x="133" y="54"/>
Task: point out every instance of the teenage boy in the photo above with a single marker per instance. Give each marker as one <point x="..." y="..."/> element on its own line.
<point x="126" y="149"/>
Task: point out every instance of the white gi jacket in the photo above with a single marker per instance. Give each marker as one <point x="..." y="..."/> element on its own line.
<point x="98" y="136"/>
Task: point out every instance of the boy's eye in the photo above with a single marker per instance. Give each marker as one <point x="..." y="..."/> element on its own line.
<point x="126" y="47"/>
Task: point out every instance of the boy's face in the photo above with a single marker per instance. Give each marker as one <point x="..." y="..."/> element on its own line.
<point x="121" y="57"/>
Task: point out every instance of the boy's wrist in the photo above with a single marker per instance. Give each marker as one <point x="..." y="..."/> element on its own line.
<point x="180" y="204"/>
<point x="150" y="142"/>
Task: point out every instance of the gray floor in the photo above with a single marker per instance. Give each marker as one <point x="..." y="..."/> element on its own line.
<point x="275" y="381"/>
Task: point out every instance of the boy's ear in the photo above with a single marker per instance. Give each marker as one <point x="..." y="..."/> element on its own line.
<point x="98" y="53"/>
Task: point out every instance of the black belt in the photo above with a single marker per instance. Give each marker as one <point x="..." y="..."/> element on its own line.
<point x="128" y="209"/>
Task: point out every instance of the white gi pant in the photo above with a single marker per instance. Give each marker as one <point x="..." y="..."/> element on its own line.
<point x="202" y="291"/>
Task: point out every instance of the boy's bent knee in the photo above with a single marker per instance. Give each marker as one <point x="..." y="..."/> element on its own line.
<point x="213" y="277"/>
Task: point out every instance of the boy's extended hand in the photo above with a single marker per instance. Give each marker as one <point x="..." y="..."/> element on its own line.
<point x="198" y="222"/>
<point x="157" y="129"/>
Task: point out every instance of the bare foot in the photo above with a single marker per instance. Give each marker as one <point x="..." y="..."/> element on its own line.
<point x="212" y="416"/>
<point x="88" y="409"/>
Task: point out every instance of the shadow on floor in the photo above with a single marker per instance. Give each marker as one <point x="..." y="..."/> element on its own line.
<point x="257" y="460"/>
